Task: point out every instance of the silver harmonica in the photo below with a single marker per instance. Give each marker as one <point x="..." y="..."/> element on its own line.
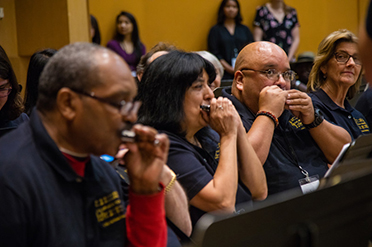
<point x="130" y="136"/>
<point x="206" y="108"/>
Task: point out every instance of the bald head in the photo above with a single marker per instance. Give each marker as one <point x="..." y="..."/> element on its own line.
<point x="257" y="53"/>
<point x="250" y="77"/>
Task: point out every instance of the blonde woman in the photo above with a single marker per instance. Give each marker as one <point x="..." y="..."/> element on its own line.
<point x="336" y="76"/>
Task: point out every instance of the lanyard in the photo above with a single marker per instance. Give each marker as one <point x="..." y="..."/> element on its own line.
<point x="303" y="171"/>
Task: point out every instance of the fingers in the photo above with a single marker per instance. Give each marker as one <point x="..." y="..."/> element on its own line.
<point x="148" y="138"/>
<point x="221" y="105"/>
<point x="298" y="100"/>
<point x="301" y="105"/>
<point x="272" y="99"/>
<point x="145" y="134"/>
<point x="120" y="154"/>
<point x="223" y="116"/>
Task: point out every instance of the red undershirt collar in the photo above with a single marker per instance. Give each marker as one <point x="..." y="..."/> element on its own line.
<point x="77" y="163"/>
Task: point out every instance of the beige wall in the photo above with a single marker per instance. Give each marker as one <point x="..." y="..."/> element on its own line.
<point x="186" y="23"/>
<point x="8" y="40"/>
<point x="31" y="25"/>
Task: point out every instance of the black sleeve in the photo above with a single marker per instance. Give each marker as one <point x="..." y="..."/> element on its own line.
<point x="213" y="42"/>
<point x="250" y="36"/>
<point x="13" y="227"/>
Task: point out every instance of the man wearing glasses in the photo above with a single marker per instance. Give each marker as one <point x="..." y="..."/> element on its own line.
<point x="291" y="138"/>
<point x="54" y="191"/>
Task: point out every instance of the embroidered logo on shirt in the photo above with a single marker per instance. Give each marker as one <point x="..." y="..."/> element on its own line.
<point x="362" y="125"/>
<point x="217" y="153"/>
<point x="296" y="122"/>
<point x="109" y="209"/>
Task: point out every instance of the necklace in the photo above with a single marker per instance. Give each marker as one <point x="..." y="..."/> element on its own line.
<point x="122" y="45"/>
<point x="128" y="48"/>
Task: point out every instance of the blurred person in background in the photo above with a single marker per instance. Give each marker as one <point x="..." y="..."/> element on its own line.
<point x="37" y="63"/>
<point x="278" y="23"/>
<point x="11" y="106"/>
<point x="95" y="34"/>
<point x="126" y="41"/>
<point x="302" y="67"/>
<point x="228" y="36"/>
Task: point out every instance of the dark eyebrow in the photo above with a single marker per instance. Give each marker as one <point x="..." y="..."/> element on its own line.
<point x="5" y="84"/>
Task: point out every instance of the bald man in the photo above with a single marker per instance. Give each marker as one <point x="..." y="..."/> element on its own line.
<point x="293" y="142"/>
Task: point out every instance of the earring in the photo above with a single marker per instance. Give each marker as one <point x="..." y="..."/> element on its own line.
<point x="325" y="76"/>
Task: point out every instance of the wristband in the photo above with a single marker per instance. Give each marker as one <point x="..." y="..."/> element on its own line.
<point x="171" y="183"/>
<point x="318" y="119"/>
<point x="270" y="115"/>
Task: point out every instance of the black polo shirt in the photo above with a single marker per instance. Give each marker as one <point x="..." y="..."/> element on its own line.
<point x="291" y="146"/>
<point x="7" y="126"/>
<point x="195" y="168"/>
<point x="364" y="105"/>
<point x="45" y="203"/>
<point x="348" y="118"/>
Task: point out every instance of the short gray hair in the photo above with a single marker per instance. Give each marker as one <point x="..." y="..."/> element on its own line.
<point x="213" y="59"/>
<point x="74" y="67"/>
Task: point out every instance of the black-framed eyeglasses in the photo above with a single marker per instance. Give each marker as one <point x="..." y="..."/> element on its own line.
<point x="5" y="92"/>
<point x="343" y="57"/>
<point x="272" y="74"/>
<point x="119" y="105"/>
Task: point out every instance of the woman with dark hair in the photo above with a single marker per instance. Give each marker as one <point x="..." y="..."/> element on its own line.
<point x="278" y="23"/>
<point x="229" y="36"/>
<point x="336" y="77"/>
<point x="95" y="34"/>
<point x="173" y="89"/>
<point x="126" y="41"/>
<point x="37" y="63"/>
<point x="11" y="106"/>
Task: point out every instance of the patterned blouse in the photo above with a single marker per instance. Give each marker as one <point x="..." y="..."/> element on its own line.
<point x="274" y="31"/>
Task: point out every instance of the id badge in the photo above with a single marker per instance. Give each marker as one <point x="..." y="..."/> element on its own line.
<point x="309" y="184"/>
<point x="233" y="60"/>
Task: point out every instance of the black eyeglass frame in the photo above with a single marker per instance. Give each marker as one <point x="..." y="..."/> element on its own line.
<point x="119" y="106"/>
<point x="9" y="89"/>
<point x="347" y="60"/>
<point x="291" y="73"/>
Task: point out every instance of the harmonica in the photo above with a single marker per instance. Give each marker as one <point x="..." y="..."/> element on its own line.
<point x="130" y="136"/>
<point x="206" y="108"/>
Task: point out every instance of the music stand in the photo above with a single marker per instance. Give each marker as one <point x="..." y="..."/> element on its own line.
<point x="338" y="214"/>
<point x="353" y="160"/>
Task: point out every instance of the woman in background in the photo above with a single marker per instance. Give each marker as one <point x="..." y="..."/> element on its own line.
<point x="95" y="34"/>
<point x="126" y="41"/>
<point x="335" y="76"/>
<point x="11" y="106"/>
<point x="37" y="63"/>
<point x="277" y="22"/>
<point x="229" y="36"/>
